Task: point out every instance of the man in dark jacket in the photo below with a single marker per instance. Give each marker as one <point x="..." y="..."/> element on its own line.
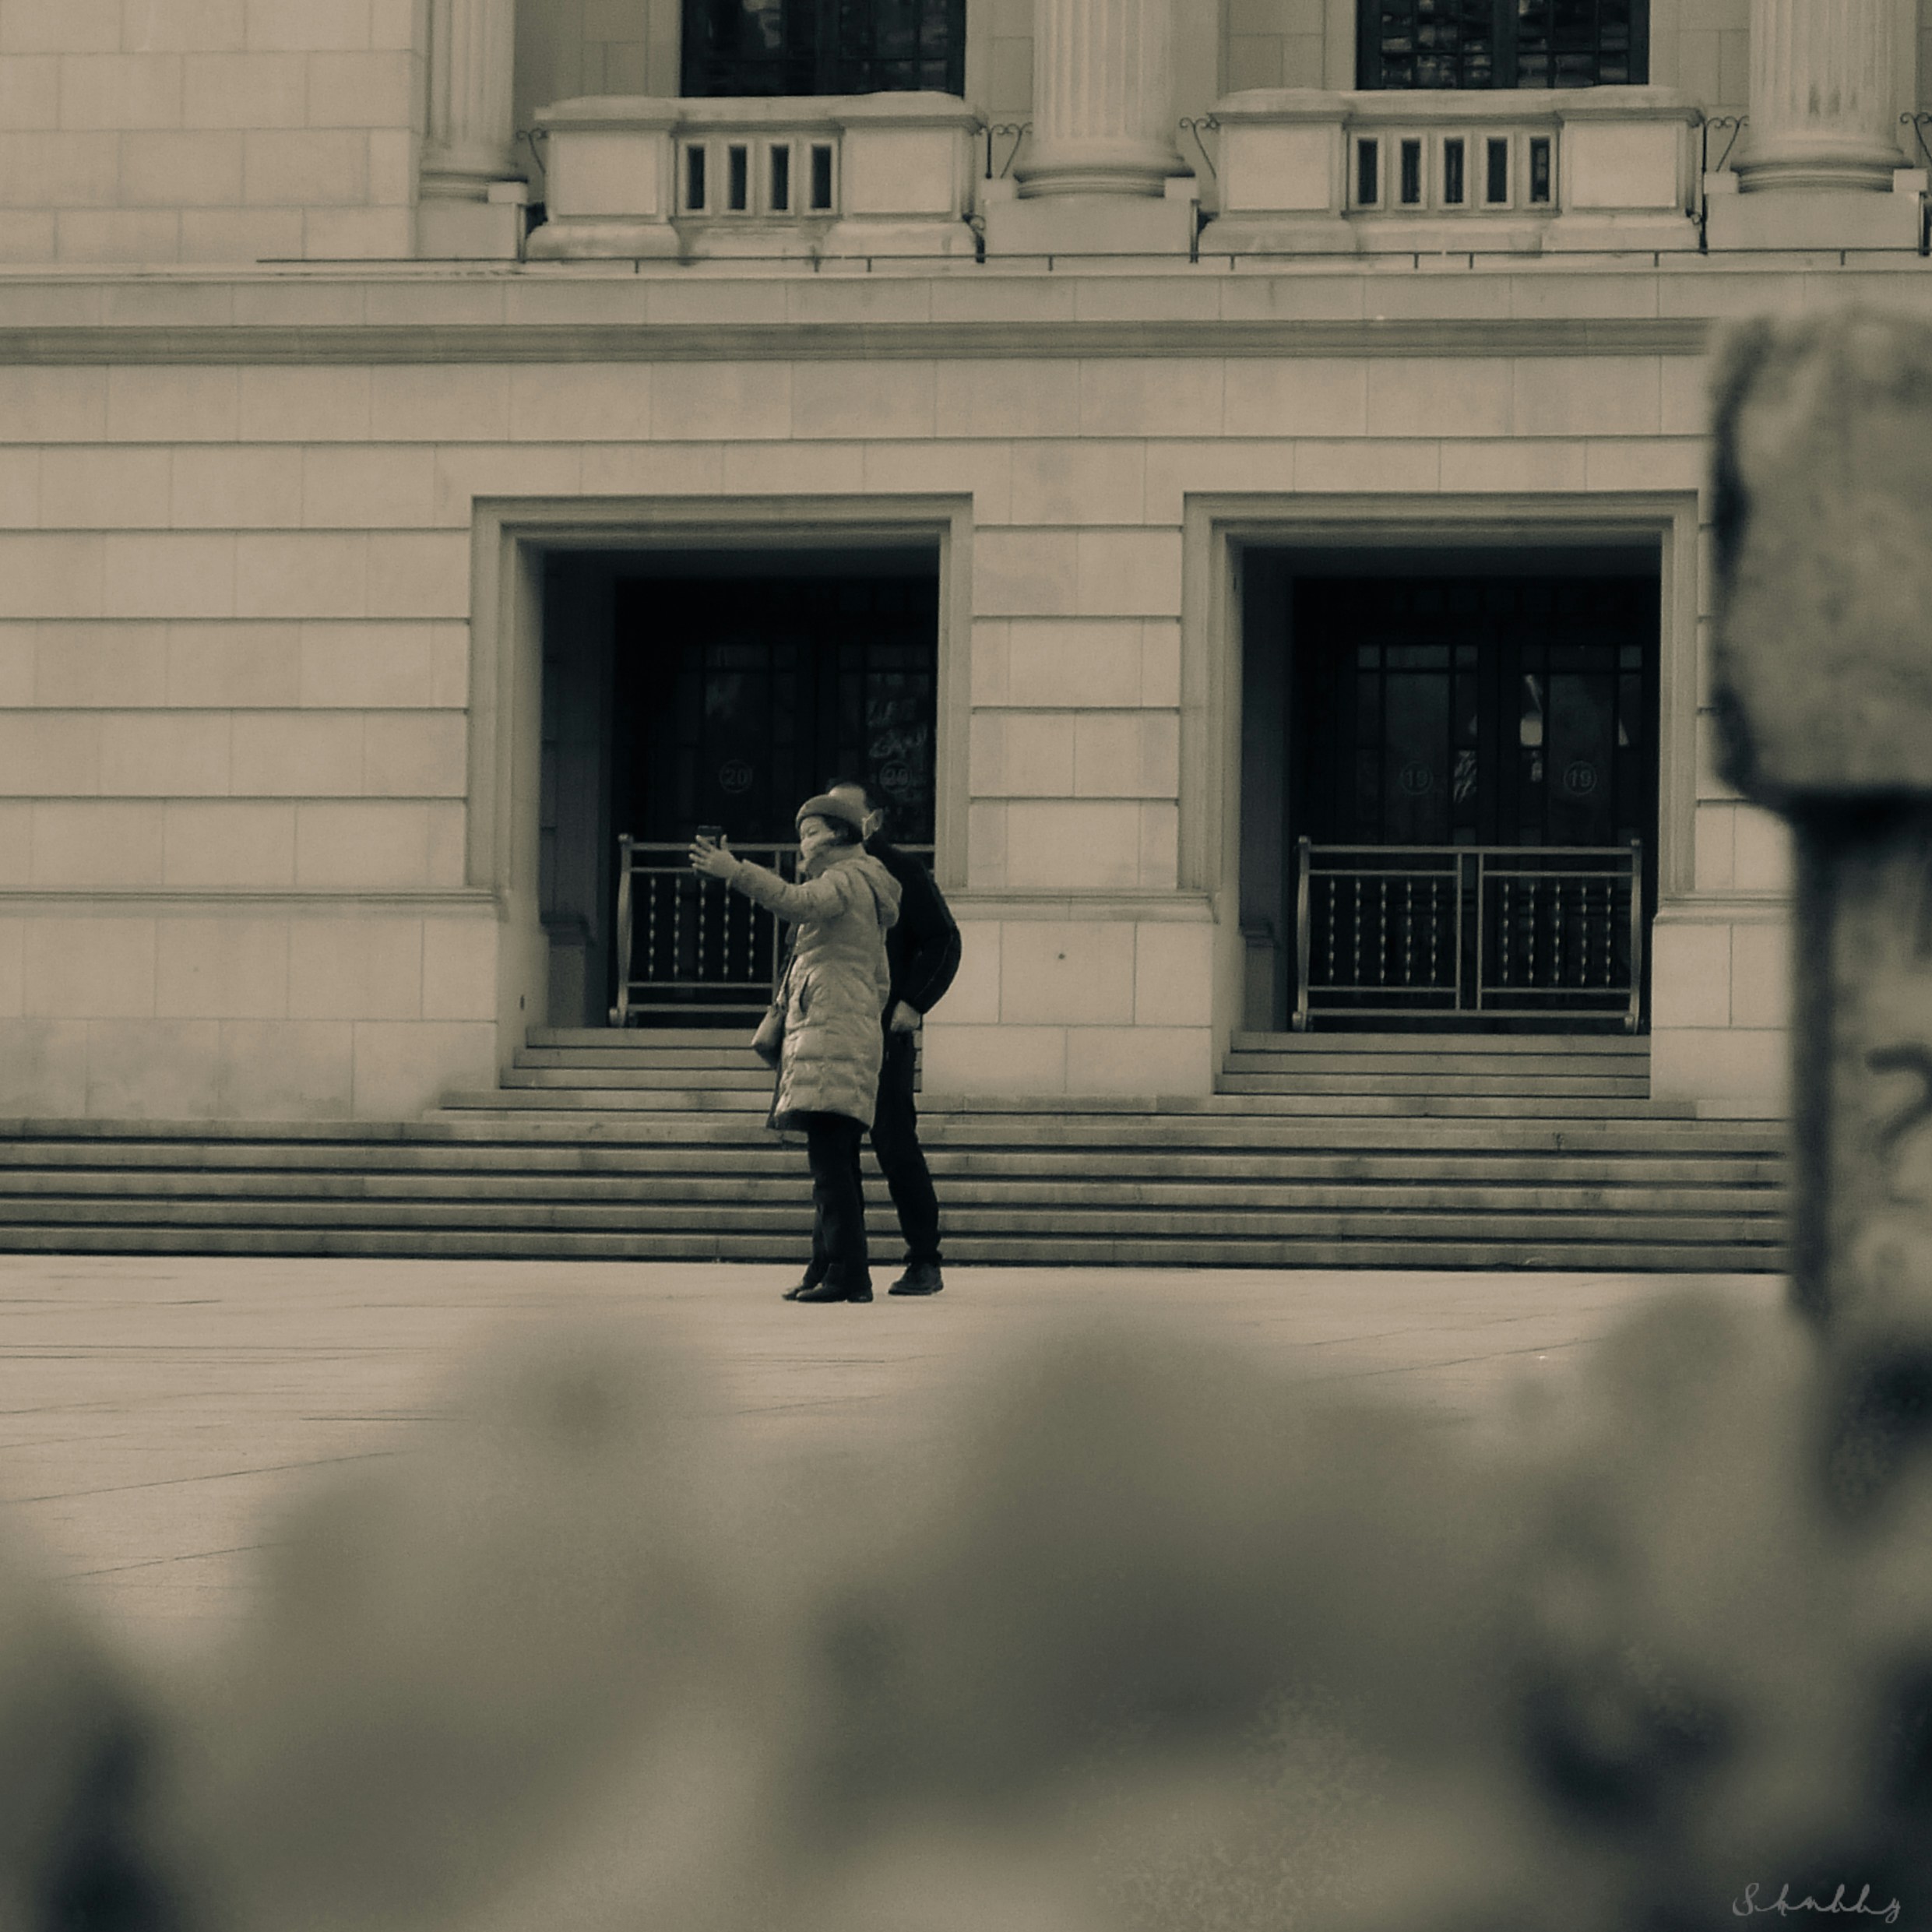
<point x="922" y="951"/>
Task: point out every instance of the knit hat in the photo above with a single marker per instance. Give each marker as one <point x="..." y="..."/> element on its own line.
<point x="831" y="805"/>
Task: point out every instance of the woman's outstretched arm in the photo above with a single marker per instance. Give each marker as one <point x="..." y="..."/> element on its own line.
<point x="822" y="898"/>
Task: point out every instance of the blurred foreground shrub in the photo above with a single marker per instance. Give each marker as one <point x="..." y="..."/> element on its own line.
<point x="1154" y="1642"/>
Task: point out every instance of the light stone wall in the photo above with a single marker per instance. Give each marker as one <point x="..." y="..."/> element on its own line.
<point x="1286" y="43"/>
<point x="243" y="130"/>
<point x="1703" y="48"/>
<point x="1048" y="1005"/>
<point x="234" y="646"/>
<point x="568" y="47"/>
<point x="1720" y="967"/>
<point x="209" y="130"/>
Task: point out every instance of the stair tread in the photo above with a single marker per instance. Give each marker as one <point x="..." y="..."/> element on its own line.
<point x="1443" y="1040"/>
<point x="747" y="1099"/>
<point x="115" y="1165"/>
<point x="1579" y="1194"/>
<point x="781" y="1252"/>
<point x="1056" y="1221"/>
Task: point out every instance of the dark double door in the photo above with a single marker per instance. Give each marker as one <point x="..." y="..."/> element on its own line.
<point x="734" y="699"/>
<point x="1500" y="711"/>
<point x="1510" y="719"/>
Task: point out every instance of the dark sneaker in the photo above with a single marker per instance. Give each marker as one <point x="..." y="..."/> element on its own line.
<point x="922" y="1278"/>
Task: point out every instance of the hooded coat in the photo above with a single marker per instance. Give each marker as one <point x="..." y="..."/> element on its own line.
<point x="834" y="989"/>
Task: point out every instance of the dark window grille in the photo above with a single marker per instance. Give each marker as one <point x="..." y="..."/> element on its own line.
<point x="1539" y="168"/>
<point x="1502" y="42"/>
<point x="1368" y="156"/>
<point x="823" y="46"/>
<point x="1496" y="179"/>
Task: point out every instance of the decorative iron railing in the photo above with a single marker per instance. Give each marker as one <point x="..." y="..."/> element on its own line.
<point x="686" y="945"/>
<point x="1391" y="931"/>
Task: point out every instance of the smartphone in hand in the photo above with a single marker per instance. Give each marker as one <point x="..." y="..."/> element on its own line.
<point x="710" y="835"/>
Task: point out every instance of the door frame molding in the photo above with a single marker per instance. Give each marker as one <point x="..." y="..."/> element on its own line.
<point x="509" y="539"/>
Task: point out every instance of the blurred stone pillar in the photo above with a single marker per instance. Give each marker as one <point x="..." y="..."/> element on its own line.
<point x="1100" y="172"/>
<point x="471" y="194"/>
<point x="1823" y="685"/>
<point x="1820" y="159"/>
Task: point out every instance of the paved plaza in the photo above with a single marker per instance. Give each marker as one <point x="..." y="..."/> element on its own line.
<point x="157" y="1414"/>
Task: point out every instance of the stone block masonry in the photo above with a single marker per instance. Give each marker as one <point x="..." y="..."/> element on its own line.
<point x="244" y="605"/>
<point x="168" y="133"/>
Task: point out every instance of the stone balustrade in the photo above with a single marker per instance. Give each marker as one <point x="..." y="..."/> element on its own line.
<point x="1304" y="169"/>
<point x="875" y="175"/>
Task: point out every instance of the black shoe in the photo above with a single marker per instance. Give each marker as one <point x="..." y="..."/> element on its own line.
<point x="922" y="1278"/>
<point x="831" y="1291"/>
<point x="800" y="1287"/>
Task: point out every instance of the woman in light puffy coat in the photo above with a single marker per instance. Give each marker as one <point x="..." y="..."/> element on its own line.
<point x="833" y="996"/>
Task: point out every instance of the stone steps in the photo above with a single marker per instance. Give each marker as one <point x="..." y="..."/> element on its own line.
<point x="104" y="1165"/>
<point x="1511" y="1085"/>
<point x="1363" y="1251"/>
<point x="1375" y="1151"/>
<point x="1482" y="1045"/>
<point x="1291" y="1098"/>
<point x="978" y="1123"/>
<point x="26" y="1193"/>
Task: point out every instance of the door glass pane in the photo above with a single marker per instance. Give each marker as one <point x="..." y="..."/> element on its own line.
<point x="1502" y="42"/>
<point x="750" y="46"/>
<point x="1495" y="712"/>
<point x="736" y="699"/>
<point x="1582" y="760"/>
<point x="823" y="46"/>
<point x="1415" y="761"/>
<point x="1529" y="758"/>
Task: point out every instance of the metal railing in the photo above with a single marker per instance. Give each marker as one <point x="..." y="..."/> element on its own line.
<point x="687" y="943"/>
<point x="1391" y="931"/>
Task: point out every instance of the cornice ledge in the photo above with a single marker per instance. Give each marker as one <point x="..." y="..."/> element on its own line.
<point x="855" y="341"/>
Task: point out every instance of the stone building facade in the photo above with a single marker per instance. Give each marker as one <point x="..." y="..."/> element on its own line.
<point x="376" y="376"/>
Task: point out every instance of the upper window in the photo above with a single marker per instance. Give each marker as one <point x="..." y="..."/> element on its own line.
<point x="824" y="47"/>
<point x="1502" y="42"/>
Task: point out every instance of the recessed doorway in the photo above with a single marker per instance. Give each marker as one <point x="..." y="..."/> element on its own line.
<point x="721" y="689"/>
<point x="1454" y="787"/>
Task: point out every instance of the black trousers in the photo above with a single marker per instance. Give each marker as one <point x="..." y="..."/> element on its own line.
<point x="838" y="1201"/>
<point x="895" y="1141"/>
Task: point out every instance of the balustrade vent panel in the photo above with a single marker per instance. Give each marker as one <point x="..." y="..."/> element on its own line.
<point x="1513" y="44"/>
<point x="823" y="46"/>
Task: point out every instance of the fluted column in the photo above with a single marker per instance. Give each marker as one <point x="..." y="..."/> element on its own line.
<point x="1103" y="117"/>
<point x="469" y="143"/>
<point x="1821" y="110"/>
